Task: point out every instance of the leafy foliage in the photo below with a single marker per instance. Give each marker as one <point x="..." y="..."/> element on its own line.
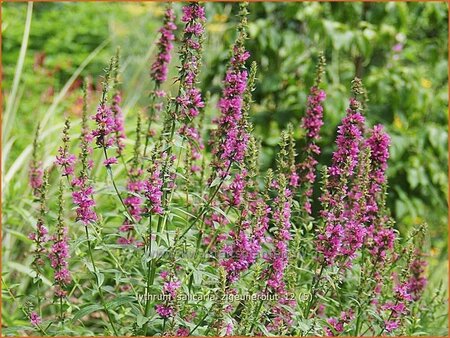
<point x="399" y="50"/>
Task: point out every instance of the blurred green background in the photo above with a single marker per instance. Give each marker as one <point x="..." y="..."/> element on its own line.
<point x="398" y="49"/>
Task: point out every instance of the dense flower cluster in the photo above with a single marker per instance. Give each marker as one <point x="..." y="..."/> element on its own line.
<point x="278" y="260"/>
<point x="119" y="129"/>
<point x="35" y="319"/>
<point x="337" y="324"/>
<point x="82" y="190"/>
<point x="106" y="126"/>
<point x="343" y="233"/>
<point x="159" y="67"/>
<point x="348" y="141"/>
<point x="313" y="119"/>
<point x="170" y="290"/>
<point x="83" y="199"/>
<point x="152" y="191"/>
<point x="311" y="122"/>
<point x="417" y="281"/>
<point x="59" y="256"/>
<point x="190" y="98"/>
<point x="380" y="238"/>
<point x="241" y="254"/>
<point x="231" y="137"/>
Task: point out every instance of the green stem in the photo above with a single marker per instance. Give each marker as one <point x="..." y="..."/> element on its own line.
<point x="100" y="292"/>
<point x="389" y="318"/>
<point x="314" y="291"/>
<point x="205" y="207"/>
<point x="61" y="311"/>
<point x="149" y="269"/>
<point x="16" y="301"/>
<point x="150" y="120"/>
<point x="201" y="320"/>
<point x="152" y="270"/>
<point x="109" y="170"/>
<point x="258" y="310"/>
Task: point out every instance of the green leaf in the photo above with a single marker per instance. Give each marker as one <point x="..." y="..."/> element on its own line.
<point x="86" y="311"/>
<point x="120" y="301"/>
<point x="141" y="320"/>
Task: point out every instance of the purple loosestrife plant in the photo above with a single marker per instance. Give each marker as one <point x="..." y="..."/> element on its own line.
<point x="64" y="159"/>
<point x="242" y="194"/>
<point x="231" y="137"/>
<point x="249" y="232"/>
<point x="381" y="237"/>
<point x="119" y="128"/>
<point x="159" y="68"/>
<point x="333" y="239"/>
<point x="187" y="104"/>
<point x="260" y="260"/>
<point x="343" y="231"/>
<point x="190" y="98"/>
<point x="82" y="190"/>
<point x="232" y="123"/>
<point x="40" y="238"/>
<point x="135" y="188"/>
<point x="311" y="123"/>
<point x="278" y="258"/>
<point x="408" y="285"/>
<point x="106" y="127"/>
<point x="36" y="172"/>
<point x="59" y="254"/>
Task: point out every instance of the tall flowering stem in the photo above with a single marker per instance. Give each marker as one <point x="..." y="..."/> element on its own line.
<point x="65" y="159"/>
<point x="190" y="98"/>
<point x="230" y="139"/>
<point x="311" y="123"/>
<point x="159" y="68"/>
<point x="188" y="101"/>
<point x="83" y="190"/>
<point x="248" y="234"/>
<point x="59" y="253"/>
<point x="278" y="258"/>
<point x="36" y="172"/>
<point x="343" y="230"/>
<point x="380" y="235"/>
<point x="409" y="284"/>
<point x="119" y="128"/>
<point x="242" y="193"/>
<point x="40" y="238"/>
<point x="187" y="105"/>
<point x="106" y="128"/>
<point x="135" y="186"/>
<point x="230" y="105"/>
<point x="333" y="239"/>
